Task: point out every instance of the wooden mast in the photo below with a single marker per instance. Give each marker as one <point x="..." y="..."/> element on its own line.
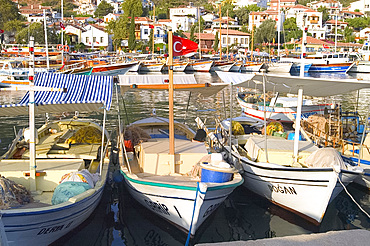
<point x="170" y="103"/>
<point x="220" y="33"/>
<point x="153" y="31"/>
<point x="200" y="47"/>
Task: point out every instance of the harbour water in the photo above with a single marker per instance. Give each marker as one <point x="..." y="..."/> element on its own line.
<point x="119" y="220"/>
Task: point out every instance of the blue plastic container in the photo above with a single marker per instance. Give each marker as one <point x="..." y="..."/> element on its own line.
<point x="210" y="175"/>
<point x="291" y="136"/>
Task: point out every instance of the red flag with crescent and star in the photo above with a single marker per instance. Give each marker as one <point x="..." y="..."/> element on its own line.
<point x="183" y="46"/>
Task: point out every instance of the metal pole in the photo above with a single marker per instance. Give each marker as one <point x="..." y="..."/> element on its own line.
<point x="102" y="153"/>
<point x="32" y="117"/>
<point x="153" y="31"/>
<point x="336" y="24"/>
<point x="264" y="111"/>
<point x="279" y="25"/>
<point x="298" y="124"/>
<point x="303" y="47"/>
<point x="231" y="120"/>
<point x="200" y="47"/>
<point x="227" y="34"/>
<point x="46" y="43"/>
<point x="363" y="136"/>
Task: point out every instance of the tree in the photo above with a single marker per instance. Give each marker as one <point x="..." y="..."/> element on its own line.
<point x="192" y="35"/>
<point x="36" y="30"/>
<point x="14" y="25"/>
<point x="265" y="32"/>
<point x="132" y="8"/>
<point x="243" y="13"/>
<point x="80" y="47"/>
<point x="8" y="12"/>
<point x="119" y="29"/>
<point x="103" y="9"/>
<point x="215" y="44"/>
<point x="359" y="22"/>
<point x="325" y="13"/>
<point x="291" y="29"/>
<point x="131" y="35"/>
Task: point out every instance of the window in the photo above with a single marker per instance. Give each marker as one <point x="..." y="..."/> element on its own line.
<point x="335" y="55"/>
<point x="228" y="40"/>
<point x="340" y="55"/>
<point x="242" y="41"/>
<point x="87" y="40"/>
<point x="235" y="40"/>
<point x="146" y="31"/>
<point x="94" y="39"/>
<point x="101" y="39"/>
<point x="224" y="40"/>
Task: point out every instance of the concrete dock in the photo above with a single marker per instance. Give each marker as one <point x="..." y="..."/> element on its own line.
<point x="347" y="237"/>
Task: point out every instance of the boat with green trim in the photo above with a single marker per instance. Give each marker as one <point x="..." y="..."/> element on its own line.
<point x="173" y="189"/>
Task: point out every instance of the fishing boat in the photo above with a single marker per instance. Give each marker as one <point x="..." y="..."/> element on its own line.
<point x="168" y="183"/>
<point x="148" y="66"/>
<point x="59" y="172"/>
<point x="113" y="69"/>
<point x="279" y="67"/>
<point x="359" y="67"/>
<point x="344" y="132"/>
<point x="279" y="108"/>
<point x="199" y="66"/>
<point x="237" y="66"/>
<point x="293" y="174"/>
<point x="251" y="66"/>
<point x="332" y="62"/>
<point x="222" y="65"/>
<point x="178" y="66"/>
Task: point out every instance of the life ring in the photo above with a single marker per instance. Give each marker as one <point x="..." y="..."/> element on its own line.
<point x="66" y="48"/>
<point x="59" y="47"/>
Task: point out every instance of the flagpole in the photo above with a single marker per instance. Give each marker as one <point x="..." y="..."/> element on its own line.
<point x="220" y="33"/>
<point x="170" y="102"/>
<point x="227" y="34"/>
<point x="46" y="43"/>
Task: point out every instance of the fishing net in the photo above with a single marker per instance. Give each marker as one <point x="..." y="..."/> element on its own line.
<point x="87" y="135"/>
<point x="136" y="135"/>
<point x="325" y="157"/>
<point x="13" y="194"/>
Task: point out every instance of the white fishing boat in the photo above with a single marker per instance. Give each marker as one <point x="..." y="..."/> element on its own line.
<point x="199" y="66"/>
<point x="178" y="66"/>
<point x="150" y="66"/>
<point x="359" y="67"/>
<point x="168" y="183"/>
<point x="283" y="109"/>
<point x="237" y="66"/>
<point x="291" y="173"/>
<point x="251" y="66"/>
<point x="279" y="67"/>
<point x="60" y="173"/>
<point x="222" y="65"/>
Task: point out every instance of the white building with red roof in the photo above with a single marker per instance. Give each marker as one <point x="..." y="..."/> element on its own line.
<point x="334" y="7"/>
<point x="312" y="20"/>
<point x="330" y="28"/>
<point x="183" y="18"/>
<point x="362" y="5"/>
<point x="35" y="13"/>
<point x="256" y="18"/>
<point x="274" y="4"/>
<point x="95" y="37"/>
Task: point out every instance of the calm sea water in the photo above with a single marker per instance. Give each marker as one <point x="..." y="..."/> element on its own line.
<point x="120" y="220"/>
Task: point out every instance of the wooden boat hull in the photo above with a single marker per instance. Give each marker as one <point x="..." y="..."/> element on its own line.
<point x="323" y="68"/>
<point x="284" y="114"/>
<point x="175" y="202"/>
<point x="177" y="66"/>
<point x="199" y="66"/>
<point x="222" y="66"/>
<point x="148" y="68"/>
<point x="112" y="69"/>
<point x="251" y="67"/>
<point x="280" y="67"/>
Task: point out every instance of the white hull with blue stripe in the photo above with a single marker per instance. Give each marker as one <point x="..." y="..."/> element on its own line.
<point x="63" y="148"/>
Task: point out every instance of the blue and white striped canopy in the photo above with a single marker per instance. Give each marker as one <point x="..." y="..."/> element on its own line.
<point x="85" y="93"/>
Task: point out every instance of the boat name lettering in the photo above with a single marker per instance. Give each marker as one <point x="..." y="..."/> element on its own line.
<point x="154" y="239"/>
<point x="304" y="115"/>
<point x="282" y="189"/>
<point x="157" y="207"/>
<point x="210" y="209"/>
<point x="269" y="109"/>
<point x="54" y="229"/>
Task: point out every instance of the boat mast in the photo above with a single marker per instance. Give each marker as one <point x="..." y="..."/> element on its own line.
<point x="303" y="46"/>
<point x="220" y="29"/>
<point x="31" y="114"/>
<point x="170" y="103"/>
<point x="336" y="27"/>
<point x="200" y="47"/>
<point x="153" y="31"/>
<point x="227" y="34"/>
<point x="279" y="25"/>
<point x="61" y="31"/>
<point x="252" y="36"/>
<point x="46" y="43"/>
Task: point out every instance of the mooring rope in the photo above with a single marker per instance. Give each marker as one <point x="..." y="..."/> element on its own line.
<point x="358" y="205"/>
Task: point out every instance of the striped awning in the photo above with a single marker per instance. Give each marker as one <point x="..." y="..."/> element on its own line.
<point x="84" y="93"/>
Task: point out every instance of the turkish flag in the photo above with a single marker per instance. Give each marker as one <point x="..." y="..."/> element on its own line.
<point x="151" y="26"/>
<point x="1" y="31"/>
<point x="62" y="26"/>
<point x="183" y="46"/>
<point x="325" y="46"/>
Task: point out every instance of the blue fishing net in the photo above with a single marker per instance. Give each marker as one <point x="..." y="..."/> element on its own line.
<point x="68" y="189"/>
